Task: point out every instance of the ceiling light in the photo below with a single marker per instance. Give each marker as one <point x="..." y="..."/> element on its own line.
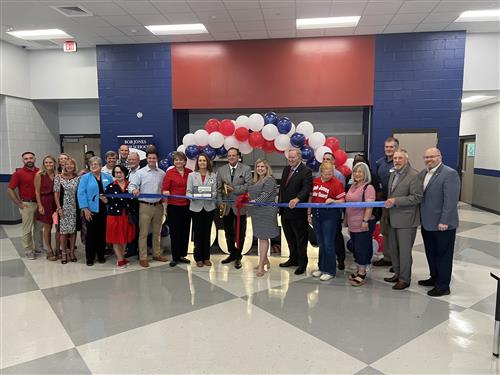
<point x="476" y="99"/>
<point x="479" y="16"/>
<point x="40" y="34"/>
<point x="322" y="23"/>
<point x="182" y="29"/>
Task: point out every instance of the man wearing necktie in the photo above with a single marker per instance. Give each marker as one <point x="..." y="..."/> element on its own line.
<point x="405" y="194"/>
<point x="233" y="180"/>
<point x="439" y="218"/>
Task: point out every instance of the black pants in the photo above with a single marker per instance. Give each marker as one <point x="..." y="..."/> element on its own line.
<point x="95" y="242"/>
<point x="179" y="218"/>
<point x="202" y="225"/>
<point x="230" y="231"/>
<point x="439" y="247"/>
<point x="339" y="242"/>
<point x="296" y="231"/>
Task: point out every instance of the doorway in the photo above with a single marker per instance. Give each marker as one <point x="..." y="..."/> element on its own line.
<point x="467" y="152"/>
<point x="78" y="145"/>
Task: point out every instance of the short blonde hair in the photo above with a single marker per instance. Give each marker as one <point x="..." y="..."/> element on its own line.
<point x="268" y="167"/>
<point x="326" y="166"/>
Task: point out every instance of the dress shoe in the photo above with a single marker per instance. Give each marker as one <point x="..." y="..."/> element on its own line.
<point x="102" y="260"/>
<point x="90" y="264"/>
<point x="173" y="263"/>
<point x="161" y="258"/>
<point x="144" y="263"/>
<point x="341" y="265"/>
<point x="382" y="263"/>
<point x="184" y="260"/>
<point x="392" y="279"/>
<point x="207" y="263"/>
<point x="400" y="285"/>
<point x="427" y="282"/>
<point x="288" y="263"/>
<point x="237" y="264"/>
<point x="199" y="264"/>
<point x="227" y="260"/>
<point x="300" y="270"/>
<point x="435" y="292"/>
<point x="391" y="269"/>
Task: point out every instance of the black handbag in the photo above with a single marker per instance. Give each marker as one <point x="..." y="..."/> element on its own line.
<point x="312" y="236"/>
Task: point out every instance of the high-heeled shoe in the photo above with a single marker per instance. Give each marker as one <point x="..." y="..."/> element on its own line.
<point x="72" y="258"/>
<point x="51" y="256"/>
<point x="260" y="272"/>
<point x="64" y="258"/>
<point x="267" y="263"/>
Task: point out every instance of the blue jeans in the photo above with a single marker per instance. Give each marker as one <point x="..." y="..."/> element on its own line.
<point x="325" y="223"/>
<point x="362" y="244"/>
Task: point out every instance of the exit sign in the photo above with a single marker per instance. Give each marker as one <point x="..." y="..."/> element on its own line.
<point x="69" y="46"/>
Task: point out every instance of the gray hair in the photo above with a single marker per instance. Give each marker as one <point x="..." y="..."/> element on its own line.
<point x="366" y="171"/>
<point x="299" y="153"/>
<point x="95" y="159"/>
<point x="134" y="154"/>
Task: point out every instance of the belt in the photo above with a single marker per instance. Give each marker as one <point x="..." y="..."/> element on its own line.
<point x="29" y="200"/>
<point x="150" y="204"/>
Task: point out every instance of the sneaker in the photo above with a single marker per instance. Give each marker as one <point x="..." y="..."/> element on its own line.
<point x="317" y="273"/>
<point x="121" y="264"/>
<point x="326" y="277"/>
<point x="31" y="255"/>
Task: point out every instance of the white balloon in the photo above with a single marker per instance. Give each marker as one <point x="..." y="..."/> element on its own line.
<point x="242" y="121"/>
<point x="282" y="142"/>
<point x="292" y="130"/>
<point x="349" y="162"/>
<point x="191" y="164"/>
<point x="270" y="132"/>
<point x="188" y="139"/>
<point x="245" y="148"/>
<point x="215" y="139"/>
<point x="256" y="122"/>
<point x="181" y="148"/>
<point x="201" y="137"/>
<point x="317" y="139"/>
<point x="320" y="151"/>
<point x="306" y="128"/>
<point x="231" y="141"/>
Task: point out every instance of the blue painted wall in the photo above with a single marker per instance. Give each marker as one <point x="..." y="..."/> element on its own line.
<point x="135" y="78"/>
<point x="418" y="85"/>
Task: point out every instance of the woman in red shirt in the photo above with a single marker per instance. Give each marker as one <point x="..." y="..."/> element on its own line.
<point x="178" y="216"/>
<point x="326" y="189"/>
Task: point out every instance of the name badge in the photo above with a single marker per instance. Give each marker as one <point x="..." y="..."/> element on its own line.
<point x="202" y="192"/>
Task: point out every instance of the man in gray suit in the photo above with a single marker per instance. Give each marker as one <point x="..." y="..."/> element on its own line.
<point x="439" y="217"/>
<point x="233" y="180"/>
<point x="405" y="194"/>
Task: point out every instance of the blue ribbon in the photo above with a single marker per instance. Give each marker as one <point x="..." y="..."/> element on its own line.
<point x="260" y="204"/>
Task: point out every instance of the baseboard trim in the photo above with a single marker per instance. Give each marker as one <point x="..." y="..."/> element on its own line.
<point x="10" y="222"/>
<point x="486" y="209"/>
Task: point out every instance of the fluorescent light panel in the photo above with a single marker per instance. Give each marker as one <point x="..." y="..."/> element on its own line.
<point x="327" y="22"/>
<point x="476" y="99"/>
<point x="181" y="29"/>
<point x="45" y="34"/>
<point x="479" y="16"/>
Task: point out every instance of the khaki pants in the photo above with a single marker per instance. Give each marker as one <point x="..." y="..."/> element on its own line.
<point x="149" y="217"/>
<point x="32" y="229"/>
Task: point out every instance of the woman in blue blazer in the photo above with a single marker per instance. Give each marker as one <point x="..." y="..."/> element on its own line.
<point x="92" y="202"/>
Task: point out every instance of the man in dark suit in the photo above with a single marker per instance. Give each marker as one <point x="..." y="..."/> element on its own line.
<point x="405" y="194"/>
<point x="295" y="187"/>
<point x="233" y="180"/>
<point x="439" y="218"/>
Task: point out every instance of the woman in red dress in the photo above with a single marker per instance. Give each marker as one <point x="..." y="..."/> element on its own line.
<point x="44" y="190"/>
<point x="119" y="231"/>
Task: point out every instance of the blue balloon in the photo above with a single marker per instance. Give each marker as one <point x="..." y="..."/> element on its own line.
<point x="313" y="165"/>
<point x="192" y="151"/>
<point x="307" y="153"/>
<point x="221" y="151"/>
<point x="210" y="152"/>
<point x="164" y="164"/>
<point x="284" y="125"/>
<point x="271" y="118"/>
<point x="297" y="140"/>
<point x="170" y="157"/>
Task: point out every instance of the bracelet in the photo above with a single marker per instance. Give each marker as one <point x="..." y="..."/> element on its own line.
<point x="365" y="221"/>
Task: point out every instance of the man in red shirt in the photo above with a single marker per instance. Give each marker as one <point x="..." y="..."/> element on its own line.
<point x="23" y="179"/>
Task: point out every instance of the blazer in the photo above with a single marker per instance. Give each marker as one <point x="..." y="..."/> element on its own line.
<point x="194" y="179"/>
<point x="299" y="186"/>
<point x="440" y="199"/>
<point x="408" y="195"/>
<point x="241" y="180"/>
<point x="88" y="191"/>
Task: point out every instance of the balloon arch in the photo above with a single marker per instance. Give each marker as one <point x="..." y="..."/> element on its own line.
<point x="269" y="133"/>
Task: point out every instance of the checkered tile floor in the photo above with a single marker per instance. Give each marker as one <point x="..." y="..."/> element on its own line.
<point x="76" y="319"/>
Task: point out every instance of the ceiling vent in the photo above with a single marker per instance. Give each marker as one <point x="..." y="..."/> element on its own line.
<point x="72" y="10"/>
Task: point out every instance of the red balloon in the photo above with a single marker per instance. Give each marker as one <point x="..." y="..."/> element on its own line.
<point x="376" y="232"/>
<point x="226" y="127"/>
<point x="268" y="147"/>
<point x="380" y="241"/>
<point x="333" y="143"/>
<point x="212" y="125"/>
<point x="256" y="139"/>
<point x="340" y="157"/>
<point x="241" y="134"/>
<point x="344" y="169"/>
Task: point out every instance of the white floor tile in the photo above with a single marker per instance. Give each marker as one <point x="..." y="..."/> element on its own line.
<point x="231" y="337"/>
<point x="485" y="233"/>
<point x="12" y="230"/>
<point x="29" y="329"/>
<point x="461" y="345"/>
<point x="482" y="217"/>
<point x="7" y="250"/>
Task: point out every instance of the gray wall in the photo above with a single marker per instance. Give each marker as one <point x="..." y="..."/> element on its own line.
<point x="486" y="193"/>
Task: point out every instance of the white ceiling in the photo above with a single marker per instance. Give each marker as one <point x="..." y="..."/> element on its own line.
<point x="123" y="21"/>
